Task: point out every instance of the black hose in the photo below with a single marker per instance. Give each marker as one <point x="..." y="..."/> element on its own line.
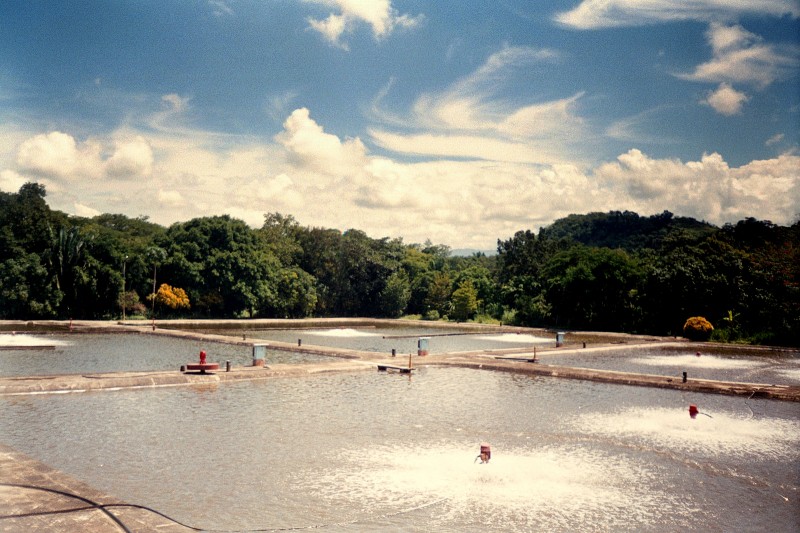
<point x="93" y="504"/>
<point x="104" y="509"/>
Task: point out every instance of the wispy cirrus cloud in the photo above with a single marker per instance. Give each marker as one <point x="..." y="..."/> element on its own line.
<point x="472" y="119"/>
<point x="597" y="14"/>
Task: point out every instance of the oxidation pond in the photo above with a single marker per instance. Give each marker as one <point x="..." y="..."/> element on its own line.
<point x="388" y="452"/>
<point x="90" y="353"/>
<point x="402" y="339"/>
<point x="744" y="364"/>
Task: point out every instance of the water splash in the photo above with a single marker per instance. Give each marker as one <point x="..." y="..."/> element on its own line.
<point x="560" y="487"/>
<point x="24" y="340"/>
<point x="342" y="332"/>
<point x="523" y="338"/>
<point x="673" y="429"/>
<point x="791" y="373"/>
<point x="693" y="361"/>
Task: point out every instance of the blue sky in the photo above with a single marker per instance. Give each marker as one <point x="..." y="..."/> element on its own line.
<point x="459" y="122"/>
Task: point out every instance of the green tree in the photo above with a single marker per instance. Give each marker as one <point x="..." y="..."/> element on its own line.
<point x="26" y="290"/>
<point x="439" y="293"/>
<point x="395" y="295"/>
<point x="593" y="288"/>
<point x="465" y="301"/>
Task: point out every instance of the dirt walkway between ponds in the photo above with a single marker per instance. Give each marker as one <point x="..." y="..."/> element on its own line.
<point x="74" y="383"/>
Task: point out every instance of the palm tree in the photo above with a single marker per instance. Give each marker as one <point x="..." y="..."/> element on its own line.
<point x="156" y="255"/>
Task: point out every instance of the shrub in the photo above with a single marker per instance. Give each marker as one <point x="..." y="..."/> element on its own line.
<point x="433" y="314"/>
<point x="509" y="317"/>
<point x="697" y="328"/>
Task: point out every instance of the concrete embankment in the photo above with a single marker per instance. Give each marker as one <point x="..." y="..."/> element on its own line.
<point x="35" y="497"/>
<point x="139" y="380"/>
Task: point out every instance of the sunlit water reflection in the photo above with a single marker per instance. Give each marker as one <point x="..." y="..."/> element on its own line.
<point x="378" y="452"/>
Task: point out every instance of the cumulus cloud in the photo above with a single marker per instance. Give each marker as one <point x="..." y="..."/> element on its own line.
<point x="379" y="15"/>
<point x="11" y="181"/>
<point x="57" y="154"/>
<point x="325" y="180"/>
<point x="708" y="189"/>
<point x="307" y="142"/>
<point x="131" y="158"/>
<point x="740" y="56"/>
<point x="85" y="211"/>
<point x="726" y="100"/>
<point x="595" y="14"/>
<point x="170" y="198"/>
<point x="331" y="29"/>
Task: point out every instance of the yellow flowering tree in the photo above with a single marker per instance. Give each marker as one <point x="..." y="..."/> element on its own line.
<point x="697" y="328"/>
<point x="173" y="297"/>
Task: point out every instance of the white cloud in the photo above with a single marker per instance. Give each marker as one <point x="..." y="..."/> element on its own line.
<point x="634" y="129"/>
<point x="11" y="181"/>
<point x="331" y="28"/>
<point x="220" y="8"/>
<point x="708" y="189"/>
<point x="307" y="142"/>
<point x="85" y="211"/>
<point x="328" y="181"/>
<point x="379" y="15"/>
<point x="175" y="102"/>
<point x="726" y="100"/>
<point x="740" y="56"/>
<point x="775" y="139"/>
<point x="57" y="154"/>
<point x="170" y="199"/>
<point x="470" y="119"/>
<point x="131" y="158"/>
<point x="595" y="14"/>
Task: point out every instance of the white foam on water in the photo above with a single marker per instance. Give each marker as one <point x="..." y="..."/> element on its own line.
<point x="694" y="361"/>
<point x="717" y="434"/>
<point x="342" y="332"/>
<point x="515" y="337"/>
<point x="24" y="340"/>
<point x="791" y="373"/>
<point x="560" y="487"/>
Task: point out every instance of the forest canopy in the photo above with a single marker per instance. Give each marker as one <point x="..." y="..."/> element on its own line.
<point x="614" y="271"/>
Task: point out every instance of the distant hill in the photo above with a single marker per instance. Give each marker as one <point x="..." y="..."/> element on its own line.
<point x="469" y="252"/>
<point x="625" y="229"/>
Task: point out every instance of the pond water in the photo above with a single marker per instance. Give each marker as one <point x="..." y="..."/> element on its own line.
<point x="753" y="365"/>
<point x="92" y="353"/>
<point x="388" y="452"/>
<point x="89" y="353"/>
<point x="402" y="339"/>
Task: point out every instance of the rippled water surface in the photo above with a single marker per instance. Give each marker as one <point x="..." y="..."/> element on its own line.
<point x="89" y="353"/>
<point x="402" y="339"/>
<point x="753" y="365"/>
<point x="389" y="452"/>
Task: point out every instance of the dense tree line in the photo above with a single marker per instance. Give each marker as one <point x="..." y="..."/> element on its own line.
<point x="613" y="271"/>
